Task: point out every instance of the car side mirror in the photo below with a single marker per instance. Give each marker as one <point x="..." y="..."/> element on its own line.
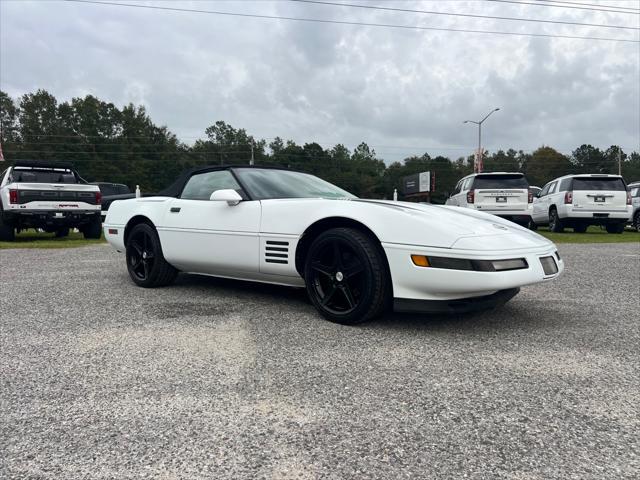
<point x="227" y="195"/>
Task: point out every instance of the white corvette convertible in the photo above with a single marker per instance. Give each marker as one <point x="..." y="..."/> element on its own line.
<point x="355" y="257"/>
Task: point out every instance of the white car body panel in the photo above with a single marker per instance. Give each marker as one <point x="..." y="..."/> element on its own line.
<point x="213" y="238"/>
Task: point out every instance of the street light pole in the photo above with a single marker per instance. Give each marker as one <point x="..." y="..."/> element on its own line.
<point x="479" y="123"/>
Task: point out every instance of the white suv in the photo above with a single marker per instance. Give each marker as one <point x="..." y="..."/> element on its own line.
<point x="503" y="194"/>
<point x="577" y="201"/>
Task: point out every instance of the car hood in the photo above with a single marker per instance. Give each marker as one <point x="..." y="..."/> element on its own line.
<point x="406" y="223"/>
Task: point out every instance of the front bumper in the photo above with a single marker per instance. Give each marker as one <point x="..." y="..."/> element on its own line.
<point x="463" y="305"/>
<point x="411" y="282"/>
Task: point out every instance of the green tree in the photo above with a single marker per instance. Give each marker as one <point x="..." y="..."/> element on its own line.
<point x="546" y="164"/>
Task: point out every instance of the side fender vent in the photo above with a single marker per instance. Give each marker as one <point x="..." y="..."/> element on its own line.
<point x="277" y="252"/>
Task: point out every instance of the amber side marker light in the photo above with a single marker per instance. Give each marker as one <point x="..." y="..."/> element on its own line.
<point x="420" y="260"/>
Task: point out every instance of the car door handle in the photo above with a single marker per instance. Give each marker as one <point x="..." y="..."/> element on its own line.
<point x="175" y="209"/>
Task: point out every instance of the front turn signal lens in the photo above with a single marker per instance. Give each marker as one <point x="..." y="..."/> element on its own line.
<point x="420" y="260"/>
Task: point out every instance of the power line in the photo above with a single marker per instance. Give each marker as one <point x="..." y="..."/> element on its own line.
<point x="343" y="22"/>
<point x="598" y="5"/>
<point x="575" y="7"/>
<point x="467" y="15"/>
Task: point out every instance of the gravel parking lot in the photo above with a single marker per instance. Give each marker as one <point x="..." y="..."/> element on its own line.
<point x="219" y="379"/>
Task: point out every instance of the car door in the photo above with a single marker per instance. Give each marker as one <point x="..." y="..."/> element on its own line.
<point x="540" y="211"/>
<point x="464" y="190"/>
<point x="452" y="200"/>
<point x="208" y="236"/>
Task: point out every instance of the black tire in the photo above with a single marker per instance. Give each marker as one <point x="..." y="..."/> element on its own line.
<point x="7" y="232"/>
<point x="531" y="225"/>
<point x="615" y="227"/>
<point x="346" y="276"/>
<point x="580" y="228"/>
<point x="555" y="224"/>
<point x="62" y="232"/>
<point x="92" y="230"/>
<point x="145" y="262"/>
<point x="636" y="221"/>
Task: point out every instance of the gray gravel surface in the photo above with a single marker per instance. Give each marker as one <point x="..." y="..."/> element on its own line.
<point x="219" y="379"/>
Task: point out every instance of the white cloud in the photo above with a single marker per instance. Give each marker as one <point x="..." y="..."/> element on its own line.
<point x="333" y="83"/>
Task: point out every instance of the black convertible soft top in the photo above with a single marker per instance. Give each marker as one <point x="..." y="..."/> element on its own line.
<point x="175" y="189"/>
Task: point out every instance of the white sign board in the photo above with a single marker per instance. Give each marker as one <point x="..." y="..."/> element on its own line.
<point x="424" y="181"/>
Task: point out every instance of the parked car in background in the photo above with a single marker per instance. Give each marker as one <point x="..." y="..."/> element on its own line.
<point x="112" y="192"/>
<point x="578" y="201"/>
<point x="634" y="191"/>
<point x="49" y="196"/>
<point x="109" y="189"/>
<point x="355" y="257"/>
<point x="504" y="194"/>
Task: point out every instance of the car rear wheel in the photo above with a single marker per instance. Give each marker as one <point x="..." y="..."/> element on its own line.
<point x="636" y="221"/>
<point x="346" y="276"/>
<point x="615" y="228"/>
<point x="555" y="224"/>
<point x="580" y="228"/>
<point x="62" y="232"/>
<point x="92" y="230"/>
<point x="7" y="232"/>
<point x="145" y="262"/>
<point x="531" y="225"/>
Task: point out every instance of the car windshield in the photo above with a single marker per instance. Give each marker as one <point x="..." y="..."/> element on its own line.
<point x="595" y="183"/>
<point x="500" y="181"/>
<point x="265" y="183"/>
<point x="43" y="176"/>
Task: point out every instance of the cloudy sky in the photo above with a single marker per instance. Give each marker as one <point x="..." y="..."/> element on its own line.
<point x="404" y="91"/>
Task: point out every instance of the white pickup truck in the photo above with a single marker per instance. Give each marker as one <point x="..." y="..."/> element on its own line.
<point x="50" y="196"/>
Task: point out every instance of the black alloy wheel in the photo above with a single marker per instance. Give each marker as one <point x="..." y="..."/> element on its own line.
<point x="346" y="276"/>
<point x="636" y="221"/>
<point x="145" y="262"/>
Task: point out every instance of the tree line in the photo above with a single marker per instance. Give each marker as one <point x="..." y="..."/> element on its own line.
<point x="123" y="145"/>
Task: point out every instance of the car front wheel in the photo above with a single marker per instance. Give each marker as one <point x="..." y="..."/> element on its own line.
<point x="145" y="262"/>
<point x="636" y="221"/>
<point x="346" y="276"/>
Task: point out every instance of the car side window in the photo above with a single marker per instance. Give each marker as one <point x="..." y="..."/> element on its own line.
<point x="545" y="190"/>
<point x="201" y="186"/>
<point x="565" y="185"/>
<point x="457" y="188"/>
<point x="467" y="183"/>
<point x="552" y="188"/>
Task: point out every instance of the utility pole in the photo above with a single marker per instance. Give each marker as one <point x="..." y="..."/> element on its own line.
<point x="477" y="168"/>
<point x="252" y="160"/>
<point x="619" y="161"/>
